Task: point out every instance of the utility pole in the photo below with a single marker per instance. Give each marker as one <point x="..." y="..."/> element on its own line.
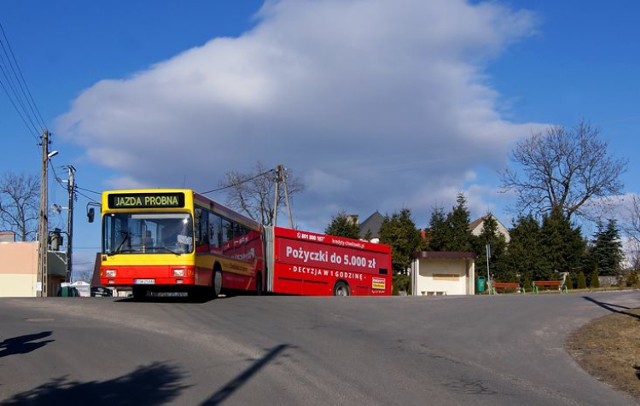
<point x="281" y="177"/>
<point x="43" y="224"/>
<point x="286" y="198"/>
<point x="71" y="189"/>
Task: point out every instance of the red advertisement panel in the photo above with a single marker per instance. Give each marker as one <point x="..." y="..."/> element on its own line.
<point x="311" y="264"/>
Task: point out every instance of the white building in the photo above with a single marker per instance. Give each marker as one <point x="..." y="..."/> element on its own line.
<point x="476" y="226"/>
<point x="443" y="273"/>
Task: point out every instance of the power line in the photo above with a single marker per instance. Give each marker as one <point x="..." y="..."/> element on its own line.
<point x="22" y="117"/>
<point x="76" y="188"/>
<point x="57" y="178"/>
<point x="16" y="88"/>
<point x="239" y="183"/>
<point x="85" y="196"/>
<point x="17" y="73"/>
<point x="90" y="191"/>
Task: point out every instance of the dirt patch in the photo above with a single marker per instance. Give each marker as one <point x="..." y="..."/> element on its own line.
<point x="608" y="348"/>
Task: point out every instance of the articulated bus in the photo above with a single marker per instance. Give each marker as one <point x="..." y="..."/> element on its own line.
<point x="176" y="240"/>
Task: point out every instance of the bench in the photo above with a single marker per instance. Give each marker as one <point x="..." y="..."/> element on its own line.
<point x="434" y="293"/>
<point x="548" y="284"/>
<point x="504" y="286"/>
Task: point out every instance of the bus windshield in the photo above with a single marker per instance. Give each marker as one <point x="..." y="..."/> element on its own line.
<point x="152" y="233"/>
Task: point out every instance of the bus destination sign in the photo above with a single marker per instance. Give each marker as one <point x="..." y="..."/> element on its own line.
<point x="145" y="200"/>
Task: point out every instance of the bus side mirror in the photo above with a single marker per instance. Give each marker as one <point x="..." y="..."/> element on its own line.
<point x="91" y="214"/>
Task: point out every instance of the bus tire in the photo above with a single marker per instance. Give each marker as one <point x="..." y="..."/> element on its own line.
<point x="341" y="288"/>
<point x="259" y="289"/>
<point x="216" y="283"/>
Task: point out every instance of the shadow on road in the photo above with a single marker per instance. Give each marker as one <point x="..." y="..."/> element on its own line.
<point x="612" y="307"/>
<point x="154" y="384"/>
<point x="23" y="344"/>
<point x="227" y="390"/>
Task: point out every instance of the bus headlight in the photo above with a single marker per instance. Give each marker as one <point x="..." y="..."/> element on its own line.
<point x="110" y="273"/>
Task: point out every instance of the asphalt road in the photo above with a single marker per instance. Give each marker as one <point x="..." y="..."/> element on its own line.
<point x="500" y="350"/>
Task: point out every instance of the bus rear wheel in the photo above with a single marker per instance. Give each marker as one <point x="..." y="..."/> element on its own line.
<point x="341" y="289"/>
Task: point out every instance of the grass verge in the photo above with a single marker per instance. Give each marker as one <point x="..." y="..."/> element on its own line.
<point x="609" y="349"/>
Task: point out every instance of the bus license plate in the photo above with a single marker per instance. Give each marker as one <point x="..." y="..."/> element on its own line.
<point x="144" y="281"/>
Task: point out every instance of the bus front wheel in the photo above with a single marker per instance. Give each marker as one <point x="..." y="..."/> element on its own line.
<point x="216" y="289"/>
<point x="341" y="289"/>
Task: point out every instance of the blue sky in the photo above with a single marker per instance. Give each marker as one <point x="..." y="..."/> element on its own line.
<point x="375" y="105"/>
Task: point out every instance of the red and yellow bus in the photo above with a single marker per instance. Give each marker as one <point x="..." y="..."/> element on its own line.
<point x="176" y="240"/>
<point x="168" y="240"/>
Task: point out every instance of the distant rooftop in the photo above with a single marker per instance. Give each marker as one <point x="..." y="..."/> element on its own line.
<point x="371" y="225"/>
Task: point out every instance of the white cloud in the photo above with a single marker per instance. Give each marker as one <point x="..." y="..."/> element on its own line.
<point x="376" y="104"/>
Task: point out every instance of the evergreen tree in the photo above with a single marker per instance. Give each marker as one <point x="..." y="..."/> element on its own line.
<point x="497" y="245"/>
<point x="562" y="246"/>
<point x="343" y="225"/>
<point x="438" y="230"/>
<point x="605" y="251"/>
<point x="524" y="256"/>
<point x="458" y="222"/>
<point x="401" y="233"/>
<point x="450" y="232"/>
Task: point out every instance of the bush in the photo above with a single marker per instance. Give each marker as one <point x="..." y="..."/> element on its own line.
<point x="595" y="282"/>
<point x="526" y="282"/>
<point x="582" y="281"/>
<point x="633" y="281"/>
<point x="568" y="282"/>
<point x="401" y="283"/>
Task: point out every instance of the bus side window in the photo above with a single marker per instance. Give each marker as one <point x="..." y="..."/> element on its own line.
<point x="215" y="230"/>
<point x="202" y="228"/>
<point x="227" y="237"/>
<point x="240" y="231"/>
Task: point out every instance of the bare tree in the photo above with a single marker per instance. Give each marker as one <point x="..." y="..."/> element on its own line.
<point x="632" y="231"/>
<point x="563" y="170"/>
<point x="253" y="193"/>
<point x="19" y="205"/>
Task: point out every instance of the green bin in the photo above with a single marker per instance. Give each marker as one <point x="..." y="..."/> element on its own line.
<point x="481" y="284"/>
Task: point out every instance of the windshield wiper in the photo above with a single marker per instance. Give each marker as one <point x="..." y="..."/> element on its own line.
<point x="167" y="249"/>
<point x="127" y="237"/>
